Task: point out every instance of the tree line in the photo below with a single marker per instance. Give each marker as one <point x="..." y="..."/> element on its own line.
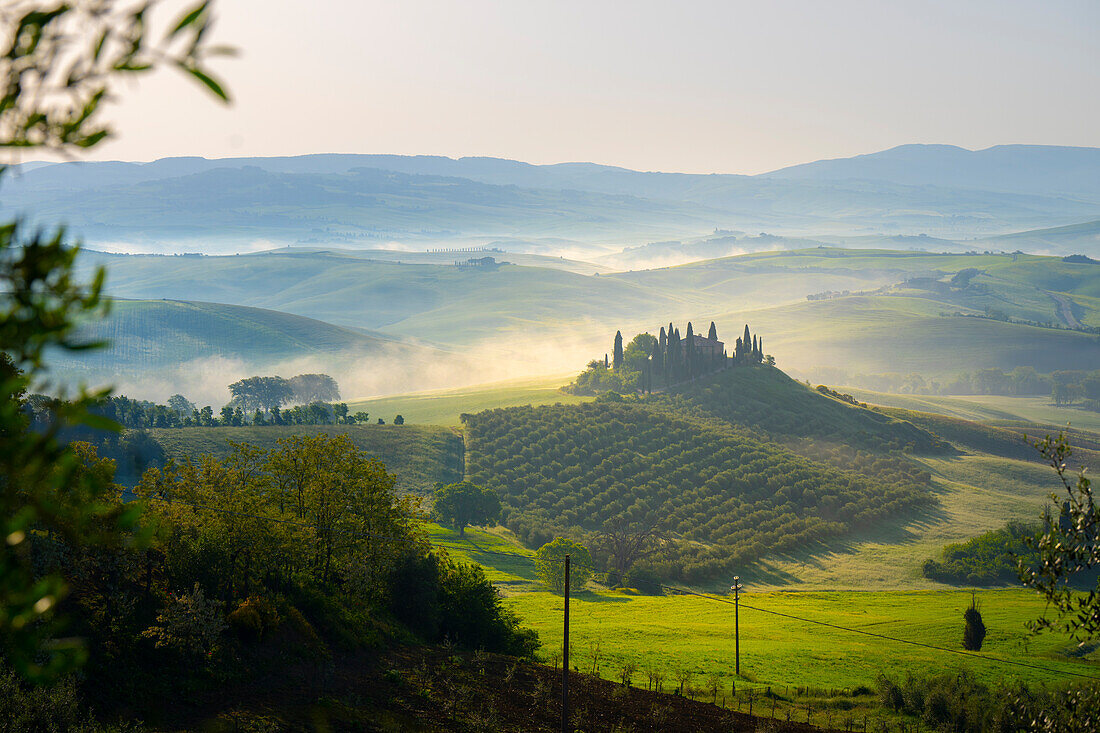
<point x="180" y="412"/>
<point x="651" y="363"/>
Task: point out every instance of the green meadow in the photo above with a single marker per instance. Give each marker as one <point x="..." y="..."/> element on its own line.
<point x="994" y="409"/>
<point x="443" y="407"/>
<point x="609" y="629"/>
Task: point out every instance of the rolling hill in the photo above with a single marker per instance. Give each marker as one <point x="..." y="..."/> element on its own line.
<point x="731" y="491"/>
<point x="157" y="347"/>
<point x="904" y="312"/>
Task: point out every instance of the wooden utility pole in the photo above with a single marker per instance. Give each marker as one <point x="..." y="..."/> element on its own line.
<point x="565" y="658"/>
<point x="736" y="588"/>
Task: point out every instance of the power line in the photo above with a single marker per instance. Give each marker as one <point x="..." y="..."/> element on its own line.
<point x="883" y="636"/>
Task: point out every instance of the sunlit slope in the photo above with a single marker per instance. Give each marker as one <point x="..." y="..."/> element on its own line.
<point x="143" y="334"/>
<point x="907" y="321"/>
<point x="438" y="302"/>
<point x="769" y="402"/>
<point x="417" y="455"/>
<point x="882" y="334"/>
<point x="1005" y="411"/>
<point x="1024" y="287"/>
<point x="444" y="407"/>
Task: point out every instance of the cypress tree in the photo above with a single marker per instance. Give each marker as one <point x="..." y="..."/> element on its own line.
<point x="676" y="356"/>
<point x="974" y="632"/>
<point x="662" y="340"/>
<point x="713" y="333"/>
<point x="689" y="353"/>
<point x="617" y="354"/>
<point x="739" y="349"/>
<point x="746" y="341"/>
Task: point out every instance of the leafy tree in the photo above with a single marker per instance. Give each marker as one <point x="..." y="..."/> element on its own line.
<point x="1068" y="548"/>
<point x="181" y="404"/>
<point x="261" y="393"/>
<point x="464" y="504"/>
<point x="626" y="543"/>
<point x="398" y="420"/>
<point x="361" y="418"/>
<point x="43" y="487"/>
<point x="309" y="388"/>
<point x="974" y="630"/>
<point x="550" y="564"/>
<point x="340" y="411"/>
<point x="617" y="353"/>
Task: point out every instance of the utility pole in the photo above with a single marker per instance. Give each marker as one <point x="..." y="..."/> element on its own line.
<point x="736" y="588"/>
<point x="565" y="658"/>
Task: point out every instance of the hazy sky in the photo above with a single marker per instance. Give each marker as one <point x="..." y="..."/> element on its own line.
<point x="700" y="86"/>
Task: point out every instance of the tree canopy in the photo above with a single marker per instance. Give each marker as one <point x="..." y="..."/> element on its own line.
<point x="464" y="504"/>
<point x="550" y="564"/>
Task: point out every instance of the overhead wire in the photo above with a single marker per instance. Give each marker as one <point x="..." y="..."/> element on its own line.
<point x="887" y="637"/>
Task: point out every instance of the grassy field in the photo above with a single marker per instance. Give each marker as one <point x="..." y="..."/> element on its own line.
<point x="418" y="455"/>
<point x="689" y="632"/>
<point x="993" y="409"/>
<point x="442" y="407"/>
<point x="874" y="334"/>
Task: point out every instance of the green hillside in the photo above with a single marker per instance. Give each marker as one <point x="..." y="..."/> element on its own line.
<point x="890" y="334"/>
<point x="517" y="320"/>
<point x="150" y="333"/>
<point x="730" y="497"/>
<point x="417" y="455"/>
<point x="771" y="403"/>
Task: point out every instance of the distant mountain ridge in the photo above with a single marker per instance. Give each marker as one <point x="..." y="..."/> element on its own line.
<point x="943" y="191"/>
<point x="1032" y="169"/>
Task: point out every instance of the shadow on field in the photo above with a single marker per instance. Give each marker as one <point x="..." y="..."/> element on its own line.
<point x="905" y="530"/>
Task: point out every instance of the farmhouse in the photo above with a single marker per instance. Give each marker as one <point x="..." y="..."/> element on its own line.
<point x="708" y="347"/>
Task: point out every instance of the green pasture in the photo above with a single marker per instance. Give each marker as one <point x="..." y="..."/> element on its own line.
<point x="995" y="409"/>
<point x="443" y="407"/>
<point x="674" y="632"/>
<point x="874" y="334"/>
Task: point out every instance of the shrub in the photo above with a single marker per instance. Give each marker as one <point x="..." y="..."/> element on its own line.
<point x="644" y="579"/>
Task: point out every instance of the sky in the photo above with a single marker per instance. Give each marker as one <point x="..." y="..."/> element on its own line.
<point x="679" y="85"/>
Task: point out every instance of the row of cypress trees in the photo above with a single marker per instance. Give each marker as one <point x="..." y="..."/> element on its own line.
<point x="674" y="359"/>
